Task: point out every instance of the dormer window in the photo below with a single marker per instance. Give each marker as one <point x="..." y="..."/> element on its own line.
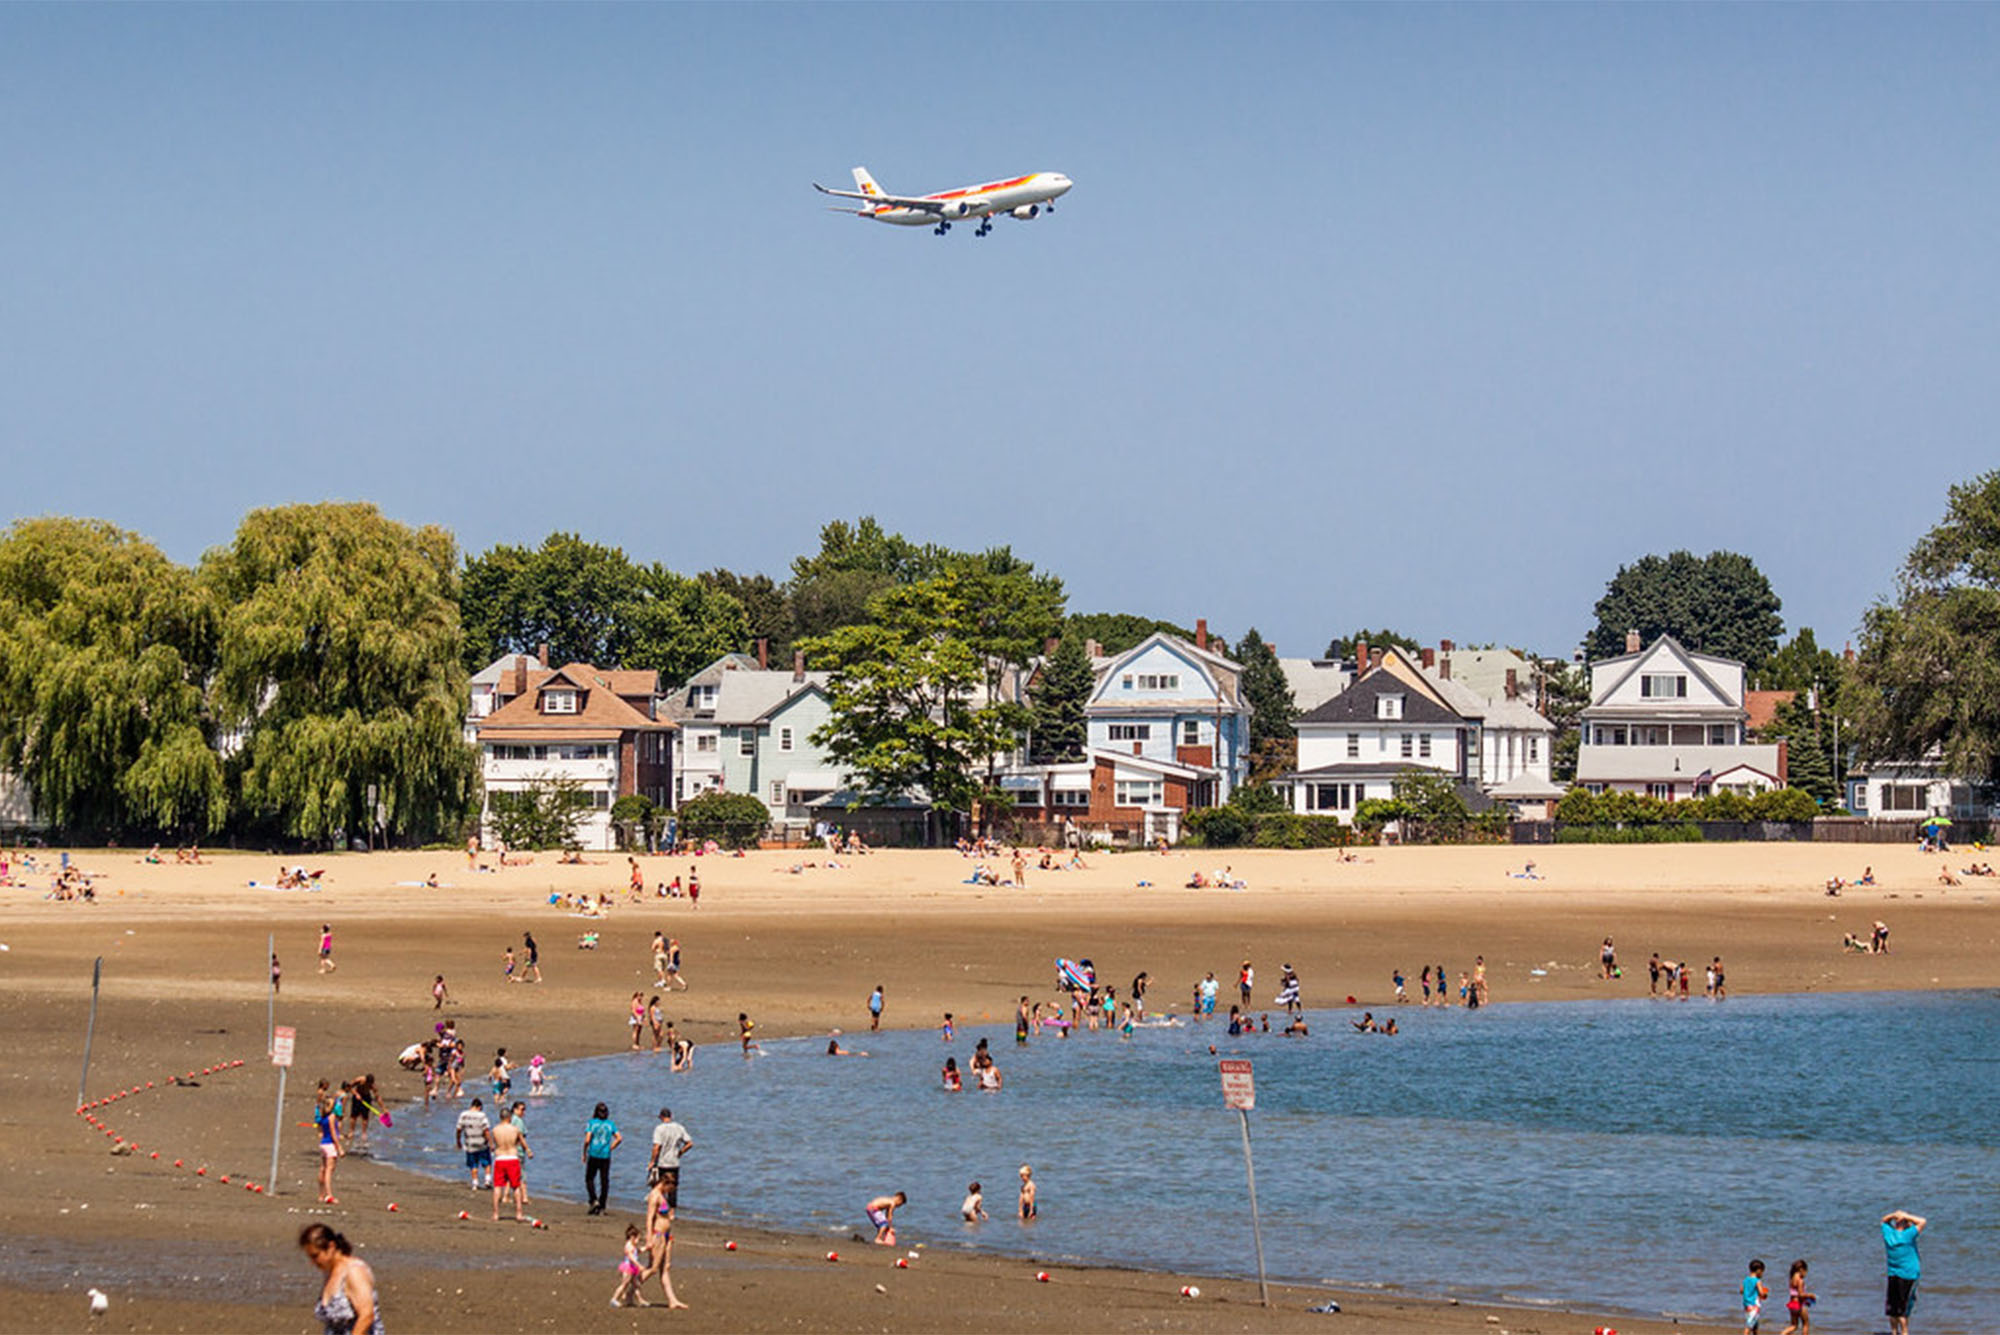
<point x="558" y="702"/>
<point x="1663" y="686"/>
<point x="1388" y="706"/>
<point x="1159" y="681"/>
<point x="704" y="697"/>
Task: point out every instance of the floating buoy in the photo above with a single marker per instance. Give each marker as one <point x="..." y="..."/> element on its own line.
<point x="463" y="1215"/>
<point x="902" y="1263"/>
<point x="729" y="1246"/>
<point x="833" y="1256"/>
<point x="1190" y="1291"/>
<point x="392" y="1204"/>
<point x="1041" y="1277"/>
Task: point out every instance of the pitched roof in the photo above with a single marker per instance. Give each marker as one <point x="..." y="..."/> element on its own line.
<point x="599" y="704"/>
<point x="1764" y="706"/>
<point x="1395" y="675"/>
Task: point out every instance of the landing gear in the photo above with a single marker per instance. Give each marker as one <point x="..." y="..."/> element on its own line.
<point x="941" y="229"/>
<point x="985" y="226"/>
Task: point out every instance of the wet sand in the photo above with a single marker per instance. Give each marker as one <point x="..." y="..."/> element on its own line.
<point x="184" y="988"/>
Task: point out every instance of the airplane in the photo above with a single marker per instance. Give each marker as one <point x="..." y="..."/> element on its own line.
<point x="1022" y="197"/>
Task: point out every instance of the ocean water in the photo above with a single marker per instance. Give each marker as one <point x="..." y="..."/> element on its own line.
<point x="1625" y="1156"/>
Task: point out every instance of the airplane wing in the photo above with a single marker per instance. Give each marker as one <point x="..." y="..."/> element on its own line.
<point x="891" y="201"/>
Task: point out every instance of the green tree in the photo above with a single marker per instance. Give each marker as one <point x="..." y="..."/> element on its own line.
<point x="105" y="646"/>
<point x="907" y="713"/>
<point x="767" y="613"/>
<point x="1566" y="694"/>
<point x="1716" y="604"/>
<point x="1808" y="737"/>
<point x="339" y="665"/>
<point x="1274" y="747"/>
<point x="734" y="820"/>
<point x="1343" y="646"/>
<point x="1434" y="810"/>
<point x="543" y="815"/>
<point x="1061" y="730"/>
<point x="592" y="604"/>
<point x="1115" y="632"/>
<point x="1928" y="673"/>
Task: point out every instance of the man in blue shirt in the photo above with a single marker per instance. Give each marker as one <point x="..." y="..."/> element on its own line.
<point x="600" y="1137"/>
<point x="1899" y="1239"/>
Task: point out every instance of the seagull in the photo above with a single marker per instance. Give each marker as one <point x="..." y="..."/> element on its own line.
<point x="99" y="1304"/>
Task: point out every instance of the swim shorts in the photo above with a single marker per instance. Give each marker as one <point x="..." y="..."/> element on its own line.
<point x="878" y="1218"/>
<point x="480" y="1158"/>
<point x="506" y="1172"/>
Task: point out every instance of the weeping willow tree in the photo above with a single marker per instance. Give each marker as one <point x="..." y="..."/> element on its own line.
<point x="339" y="668"/>
<point x="105" y="646"/>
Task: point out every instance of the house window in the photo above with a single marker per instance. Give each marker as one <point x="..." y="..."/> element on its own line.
<point x="704" y="697"/>
<point x="746" y="742"/>
<point x="1125" y="682"/>
<point x="1334" y="796"/>
<point x="1663" y="686"/>
<point x="777" y="792"/>
<point x="1069" y="797"/>
<point x="1424" y="746"/>
<point x="1408" y="741"/>
<point x="600" y="799"/>
<point x="558" y="702"/>
<point x="1190" y="733"/>
<point x="1663" y="791"/>
<point x="1649" y="736"/>
<point x="1354" y="746"/>
<point x="1139" y="792"/>
<point x="1721" y="734"/>
<point x="1388" y="706"/>
<point x="1594" y="789"/>
<point x="1905" y="797"/>
<point x="1534" y="749"/>
<point x="1603" y="736"/>
<point x="1131" y="732"/>
<point x="704" y="744"/>
<point x="784" y="739"/>
<point x="1158" y="681"/>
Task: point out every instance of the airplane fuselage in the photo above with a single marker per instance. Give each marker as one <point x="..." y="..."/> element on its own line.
<point x="1032" y="193"/>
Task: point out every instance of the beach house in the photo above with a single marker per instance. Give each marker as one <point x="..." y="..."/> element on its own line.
<point x="1913" y="790"/>
<point x="1672" y="724"/>
<point x="604" y="730"/>
<point x="1167" y="730"/>
<point x="744" y="727"/>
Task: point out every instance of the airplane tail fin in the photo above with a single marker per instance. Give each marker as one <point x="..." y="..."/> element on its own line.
<point x="865" y="183"/>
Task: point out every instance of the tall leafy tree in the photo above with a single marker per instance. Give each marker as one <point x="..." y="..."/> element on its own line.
<point x="1715" y="604"/>
<point x="767" y="612"/>
<point x="1115" y="632"/>
<point x="1808" y="737"/>
<point x="340" y="667"/>
<point x="1928" y="673"/>
<point x="1061" y="729"/>
<point x="593" y="604"/>
<point x="908" y="716"/>
<point x="1565" y="694"/>
<point x="1274" y="746"/>
<point x="105" y="647"/>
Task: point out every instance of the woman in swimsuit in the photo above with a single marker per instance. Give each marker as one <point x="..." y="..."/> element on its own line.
<point x="660" y="1240"/>
<point x="346" y="1303"/>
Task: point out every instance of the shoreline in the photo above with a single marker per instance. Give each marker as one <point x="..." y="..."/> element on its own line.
<point x="184" y="956"/>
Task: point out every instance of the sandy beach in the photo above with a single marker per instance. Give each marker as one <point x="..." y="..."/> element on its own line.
<point x="185" y="988"/>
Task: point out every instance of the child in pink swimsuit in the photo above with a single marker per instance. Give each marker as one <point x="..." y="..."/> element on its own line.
<point x="630" y="1271"/>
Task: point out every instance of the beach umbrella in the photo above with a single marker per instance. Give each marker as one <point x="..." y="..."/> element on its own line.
<point x="1937" y="821"/>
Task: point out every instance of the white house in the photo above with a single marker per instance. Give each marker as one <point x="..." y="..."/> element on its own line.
<point x="1913" y="790"/>
<point x="600" y="728"/>
<point x="1671" y="723"/>
<point x="1392" y="721"/>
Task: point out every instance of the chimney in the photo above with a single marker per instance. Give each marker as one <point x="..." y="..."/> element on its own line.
<point x="1444" y="669"/>
<point x="1632" y="645"/>
<point x="542" y="654"/>
<point x="1360" y="657"/>
<point x="1513" y="684"/>
<point x="763" y="653"/>
<point x="520" y="675"/>
<point x="1430" y="658"/>
<point x="1445" y="646"/>
<point x="1848" y="652"/>
<point x="1784" y="763"/>
<point x="1201" y="632"/>
<point x="798" y="665"/>
<point x="1093" y="650"/>
<point x="1375" y="658"/>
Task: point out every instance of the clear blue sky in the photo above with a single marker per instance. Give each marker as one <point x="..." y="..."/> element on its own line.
<point x="1417" y="315"/>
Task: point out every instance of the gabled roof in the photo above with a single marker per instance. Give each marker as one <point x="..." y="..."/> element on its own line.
<point x="1394" y="675"/>
<point x="600" y="705"/>
<point x="1633" y="660"/>
<point x="1224" y="675"/>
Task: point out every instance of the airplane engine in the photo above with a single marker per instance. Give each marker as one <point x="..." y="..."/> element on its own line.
<point x="1026" y="211"/>
<point x="957" y="208"/>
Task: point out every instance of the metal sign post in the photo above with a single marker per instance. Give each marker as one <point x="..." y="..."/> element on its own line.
<point x="281" y="1057"/>
<point x="1239" y="1091"/>
<point x="271" y="1003"/>
<point x="90" y="1032"/>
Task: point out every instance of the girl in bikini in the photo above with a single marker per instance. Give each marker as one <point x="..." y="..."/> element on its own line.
<point x="631" y="1270"/>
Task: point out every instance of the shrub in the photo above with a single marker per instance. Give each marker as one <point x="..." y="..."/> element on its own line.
<point x="734" y="820"/>
<point x="1285" y="830"/>
<point x="1257" y="799"/>
<point x="542" y="815"/>
<point x="1680" y="833"/>
<point x="1218" y="827"/>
